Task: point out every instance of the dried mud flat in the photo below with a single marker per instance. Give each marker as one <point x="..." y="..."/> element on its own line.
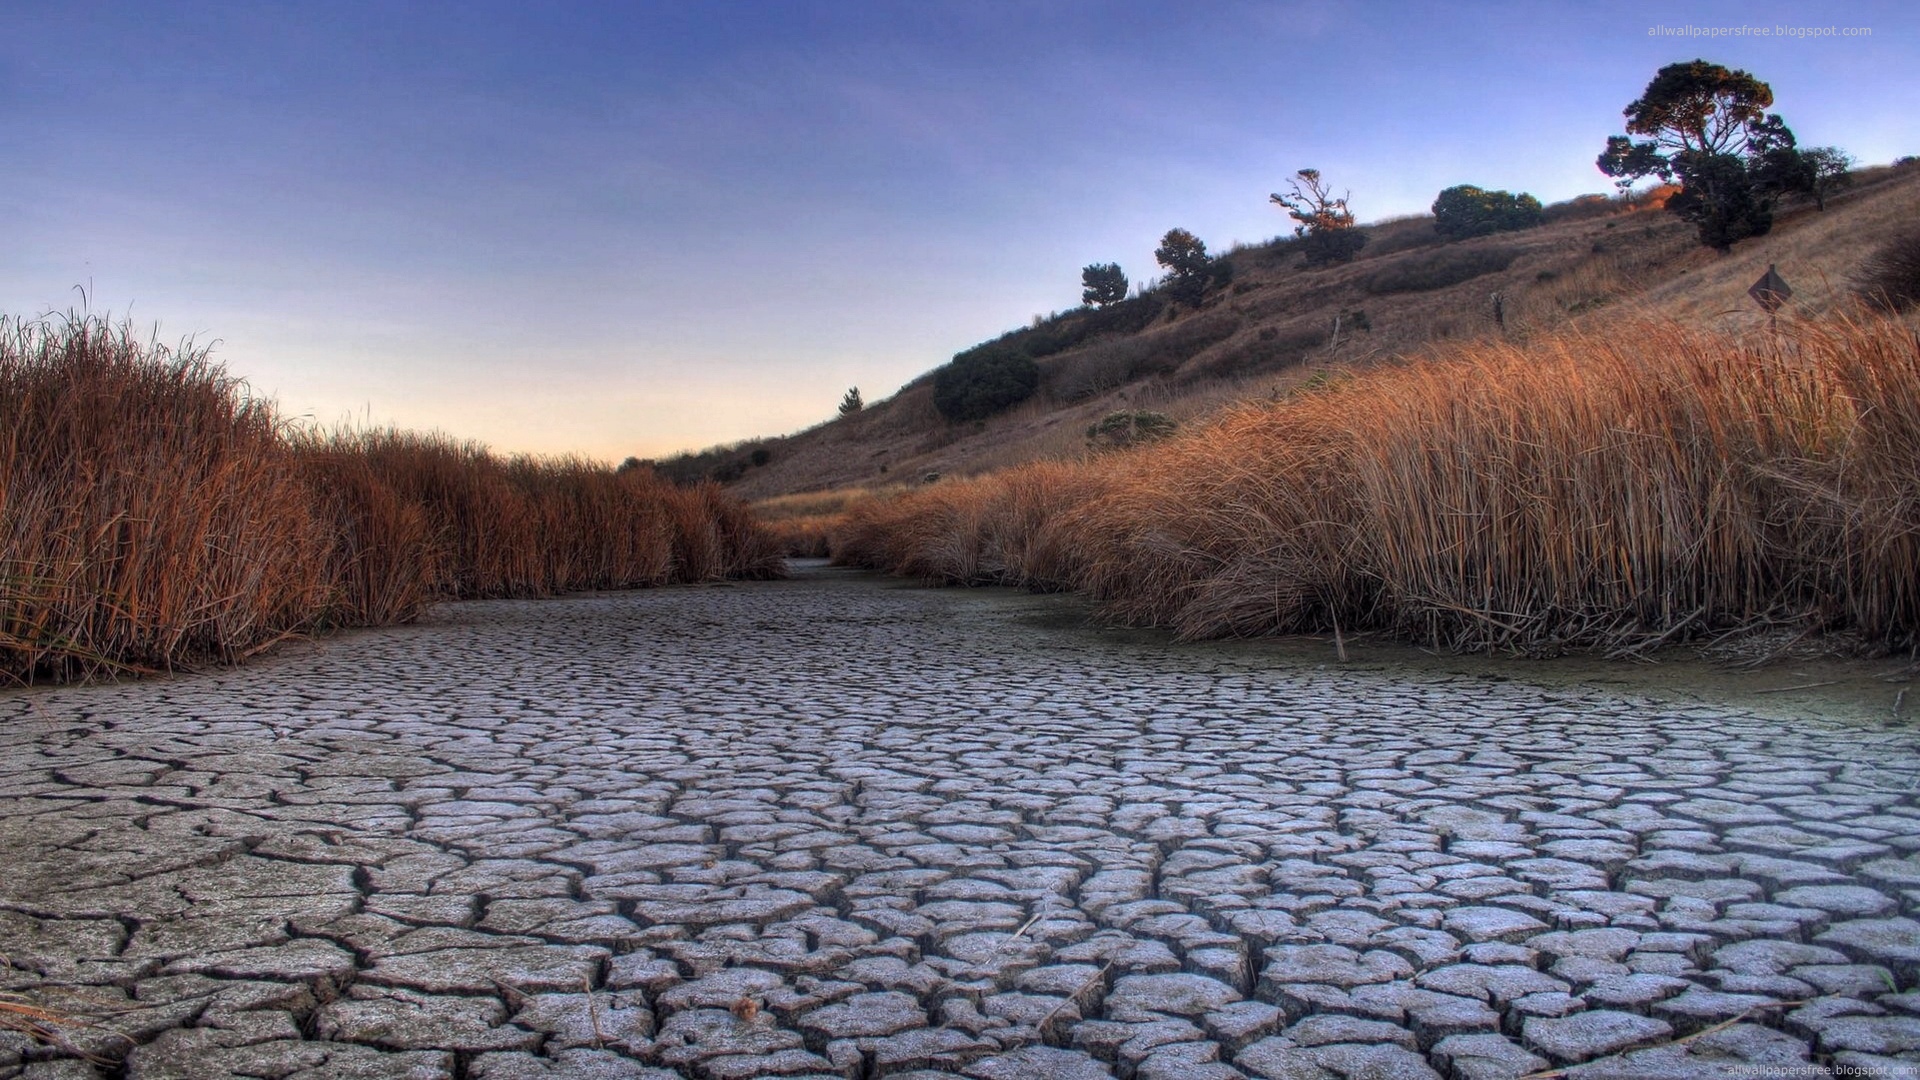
<point x="840" y="827"/>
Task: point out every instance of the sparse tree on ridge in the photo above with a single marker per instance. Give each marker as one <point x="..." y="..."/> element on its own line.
<point x="1824" y="170"/>
<point x="1708" y="127"/>
<point x="1326" y="226"/>
<point x="851" y="403"/>
<point x="1103" y="284"/>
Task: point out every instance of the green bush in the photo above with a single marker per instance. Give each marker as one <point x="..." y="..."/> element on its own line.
<point x="984" y="380"/>
<point x="1464" y="210"/>
<point x="1440" y="269"/>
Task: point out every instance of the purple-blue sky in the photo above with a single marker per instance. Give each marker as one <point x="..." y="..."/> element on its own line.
<point x="633" y="228"/>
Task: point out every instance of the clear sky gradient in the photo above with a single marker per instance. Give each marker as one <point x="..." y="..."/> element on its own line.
<point x="634" y="228"/>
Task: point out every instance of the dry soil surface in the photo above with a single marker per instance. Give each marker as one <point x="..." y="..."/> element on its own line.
<point x="839" y="826"/>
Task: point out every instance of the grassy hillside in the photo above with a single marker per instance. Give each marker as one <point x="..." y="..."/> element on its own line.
<point x="1635" y="458"/>
<point x="1621" y="490"/>
<point x="1279" y="325"/>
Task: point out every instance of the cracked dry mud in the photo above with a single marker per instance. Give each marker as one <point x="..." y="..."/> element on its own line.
<point x="840" y="827"/>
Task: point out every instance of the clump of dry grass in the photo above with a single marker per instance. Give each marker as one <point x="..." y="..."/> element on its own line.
<point x="1582" y="490"/>
<point x="1006" y="528"/>
<point x="149" y="509"/>
<point x="1890" y="277"/>
<point x="152" y="513"/>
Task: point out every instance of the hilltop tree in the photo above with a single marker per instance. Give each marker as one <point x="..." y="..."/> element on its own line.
<point x="1326" y="226"/>
<point x="851" y="403"/>
<point x="1708" y="128"/>
<point x="1465" y="210"/>
<point x="1188" y="266"/>
<point x="1103" y="284"/>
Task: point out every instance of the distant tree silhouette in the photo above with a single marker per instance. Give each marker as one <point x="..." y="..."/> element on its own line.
<point x="1188" y="266"/>
<point x="1326" y="226"/>
<point x="1824" y="170"/>
<point x="1103" y="284"/>
<point x="1708" y="128"/>
<point x="851" y="403"/>
<point x="1465" y="210"/>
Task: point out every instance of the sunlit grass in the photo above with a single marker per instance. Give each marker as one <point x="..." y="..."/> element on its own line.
<point x="1613" y="489"/>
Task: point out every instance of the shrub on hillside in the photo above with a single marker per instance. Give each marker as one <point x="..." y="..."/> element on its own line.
<point x="1890" y="278"/>
<point x="984" y="380"/>
<point x="1130" y="428"/>
<point x="1107" y="365"/>
<point x="1439" y="269"/>
<point x="1326" y="229"/>
<point x="1464" y="210"/>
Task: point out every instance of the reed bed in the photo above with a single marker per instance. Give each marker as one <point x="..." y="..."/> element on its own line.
<point x="1587" y="490"/>
<point x="153" y="514"/>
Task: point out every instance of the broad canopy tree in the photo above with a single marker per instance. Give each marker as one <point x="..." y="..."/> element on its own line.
<point x="1465" y="210"/>
<point x="1708" y="128"/>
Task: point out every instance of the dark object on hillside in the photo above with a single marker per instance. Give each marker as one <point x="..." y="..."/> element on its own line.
<point x="1890" y="278"/>
<point x="982" y="381"/>
<point x="1326" y="226"/>
<point x="1120" y="429"/>
<point x="851" y="403"/>
<point x="1464" y="210"/>
<point x="1103" y="284"/>
<point x="1771" y="291"/>
<point x="1709" y="129"/>
<point x="1190" y="270"/>
<point x="1823" y="171"/>
<point x="1439" y="269"/>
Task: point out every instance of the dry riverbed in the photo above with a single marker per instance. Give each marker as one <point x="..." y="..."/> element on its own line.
<point x="842" y="826"/>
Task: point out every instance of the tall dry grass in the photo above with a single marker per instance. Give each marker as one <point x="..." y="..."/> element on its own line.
<point x="1585" y="490"/>
<point x="148" y="508"/>
<point x="151" y="512"/>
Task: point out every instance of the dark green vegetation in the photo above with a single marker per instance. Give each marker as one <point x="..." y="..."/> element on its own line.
<point x="984" y="380"/>
<point x="1890" y="278"/>
<point x="1465" y="210"/>
<point x="1121" y="429"/>
<point x="1708" y="128"/>
<point x="1103" y="284"/>
<point x="1325" y="228"/>
<point x="1440" y="268"/>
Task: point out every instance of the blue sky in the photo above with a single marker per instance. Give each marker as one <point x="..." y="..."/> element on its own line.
<point x="634" y="228"/>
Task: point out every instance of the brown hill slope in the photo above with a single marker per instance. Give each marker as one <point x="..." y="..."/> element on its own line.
<point x="1279" y="324"/>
